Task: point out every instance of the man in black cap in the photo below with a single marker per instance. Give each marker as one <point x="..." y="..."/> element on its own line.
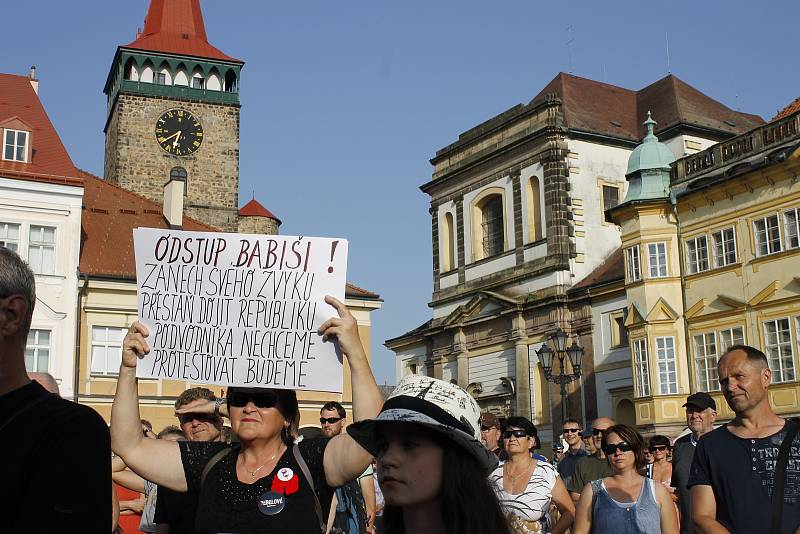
<point x="701" y="412"/>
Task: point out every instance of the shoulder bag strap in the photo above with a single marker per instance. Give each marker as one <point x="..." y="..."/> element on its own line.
<point x="212" y="462"/>
<point x="304" y="468"/>
<point x="25" y="408"/>
<point x="792" y="427"/>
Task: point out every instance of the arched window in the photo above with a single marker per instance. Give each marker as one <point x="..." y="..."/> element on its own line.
<point x="147" y="72"/>
<point x="198" y="79"/>
<point x="131" y="72"/>
<point x="181" y="78"/>
<point x="230" y="81"/>
<point x="213" y="83"/>
<point x="534" y="205"/>
<point x="448" y="243"/>
<point x="491" y="221"/>
<point x="163" y="75"/>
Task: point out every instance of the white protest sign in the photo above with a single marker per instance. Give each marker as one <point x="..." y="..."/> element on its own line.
<point x="239" y="309"/>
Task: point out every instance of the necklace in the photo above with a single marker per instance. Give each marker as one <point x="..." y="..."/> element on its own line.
<point x="253" y="473"/>
<point x="514" y="476"/>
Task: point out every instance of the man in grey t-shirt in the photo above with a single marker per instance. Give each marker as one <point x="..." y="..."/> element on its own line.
<point x="701" y="412"/>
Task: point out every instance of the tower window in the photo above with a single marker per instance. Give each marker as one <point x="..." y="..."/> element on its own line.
<point x="198" y="82"/>
<point x="492" y="225"/>
<point x="15" y="146"/>
<point x="160" y="78"/>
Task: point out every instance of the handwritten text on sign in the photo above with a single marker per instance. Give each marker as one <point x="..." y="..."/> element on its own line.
<point x="238" y="309"/>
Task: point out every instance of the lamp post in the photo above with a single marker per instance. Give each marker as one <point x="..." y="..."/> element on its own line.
<point x="574" y="352"/>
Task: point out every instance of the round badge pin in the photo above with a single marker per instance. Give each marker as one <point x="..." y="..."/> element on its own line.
<point x="285" y="474"/>
<point x="271" y="503"/>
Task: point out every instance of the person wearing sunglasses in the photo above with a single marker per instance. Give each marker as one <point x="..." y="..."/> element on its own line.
<point x="526" y="486"/>
<point x="266" y="482"/>
<point x="660" y="447"/>
<point x="490" y="433"/>
<point x="626" y="502"/>
<point x="571" y="430"/>
<point x="591" y="467"/>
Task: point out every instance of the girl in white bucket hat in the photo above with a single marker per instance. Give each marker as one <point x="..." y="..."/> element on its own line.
<point x="432" y="466"/>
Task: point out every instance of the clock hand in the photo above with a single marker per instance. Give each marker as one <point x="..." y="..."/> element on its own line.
<point x="175" y="142"/>
<point x="171" y="136"/>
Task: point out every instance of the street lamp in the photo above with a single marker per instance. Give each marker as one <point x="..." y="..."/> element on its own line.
<point x="575" y="354"/>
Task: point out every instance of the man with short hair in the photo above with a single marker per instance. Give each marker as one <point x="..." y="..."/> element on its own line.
<point x="591" y="467"/>
<point x="733" y="473"/>
<point x="175" y="511"/>
<point x="490" y="432"/>
<point x="701" y="412"/>
<point x="54" y="453"/>
<point x="588" y="441"/>
<point x="571" y="430"/>
<point x="353" y="505"/>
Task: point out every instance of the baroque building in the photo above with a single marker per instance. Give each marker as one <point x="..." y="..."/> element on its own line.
<point x="710" y="246"/>
<point x="517" y="219"/>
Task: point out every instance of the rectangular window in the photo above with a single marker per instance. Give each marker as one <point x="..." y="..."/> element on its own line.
<point x="790" y="228"/>
<point x="657" y="256"/>
<point x="106" y="349"/>
<point x="767" y="235"/>
<point x="730" y="337"/>
<point x="667" y="374"/>
<point x="724" y="247"/>
<point x="633" y="268"/>
<point x="9" y="236"/>
<point x="705" y="361"/>
<point x="619" y="333"/>
<point x="15" y="146"/>
<point x="610" y="197"/>
<point x="198" y="82"/>
<point x="641" y="368"/>
<point x="42" y="249"/>
<point x="778" y="344"/>
<point x="697" y="254"/>
<point x="37" y="351"/>
<point x="160" y="78"/>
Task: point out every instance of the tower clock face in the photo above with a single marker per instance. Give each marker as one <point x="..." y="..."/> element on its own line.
<point x="179" y="132"/>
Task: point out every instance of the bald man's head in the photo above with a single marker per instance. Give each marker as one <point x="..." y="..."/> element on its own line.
<point x="47" y="381"/>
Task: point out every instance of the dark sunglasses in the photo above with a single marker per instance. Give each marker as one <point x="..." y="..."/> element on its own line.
<point x="262" y="399"/>
<point x="485" y="428"/>
<point x="658" y="448"/>
<point x="516" y="433"/>
<point x="330" y="420"/>
<point x="571" y="430"/>
<point x="202" y="417"/>
<point x="598" y="431"/>
<point x="611" y="448"/>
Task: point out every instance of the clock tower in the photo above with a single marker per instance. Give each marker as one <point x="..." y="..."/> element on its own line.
<point x="173" y="109"/>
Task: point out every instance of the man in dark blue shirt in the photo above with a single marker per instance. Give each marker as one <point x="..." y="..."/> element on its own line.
<point x="571" y="430"/>
<point x="733" y="473"/>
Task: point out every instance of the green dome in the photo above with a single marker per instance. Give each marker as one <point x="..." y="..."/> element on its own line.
<point x="651" y="154"/>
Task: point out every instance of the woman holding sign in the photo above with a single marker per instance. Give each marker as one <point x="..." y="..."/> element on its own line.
<point x="266" y="483"/>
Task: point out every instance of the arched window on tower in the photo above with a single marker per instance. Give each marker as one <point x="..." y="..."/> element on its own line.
<point x="448" y="243"/>
<point x="213" y="83"/>
<point x="181" y="77"/>
<point x="490" y="227"/>
<point x="131" y="73"/>
<point x="231" y="83"/>
<point x="147" y="72"/>
<point x="198" y="79"/>
<point x="534" y="205"/>
<point x="163" y="75"/>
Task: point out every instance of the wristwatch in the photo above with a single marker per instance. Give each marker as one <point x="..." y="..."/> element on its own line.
<point x="217" y="403"/>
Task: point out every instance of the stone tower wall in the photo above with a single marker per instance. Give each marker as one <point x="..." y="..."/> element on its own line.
<point x="135" y="161"/>
<point x="258" y="225"/>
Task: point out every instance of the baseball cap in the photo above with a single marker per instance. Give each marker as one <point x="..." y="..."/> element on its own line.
<point x="586" y="433"/>
<point x="435" y="404"/>
<point x="701" y="400"/>
<point x="490" y="420"/>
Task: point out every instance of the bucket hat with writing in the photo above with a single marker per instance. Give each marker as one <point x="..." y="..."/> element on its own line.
<point x="435" y="404"/>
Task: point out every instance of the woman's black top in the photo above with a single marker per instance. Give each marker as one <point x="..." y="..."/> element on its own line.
<point x="280" y="501"/>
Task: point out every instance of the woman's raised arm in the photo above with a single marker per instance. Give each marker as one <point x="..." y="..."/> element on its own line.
<point x="345" y="459"/>
<point x="153" y="459"/>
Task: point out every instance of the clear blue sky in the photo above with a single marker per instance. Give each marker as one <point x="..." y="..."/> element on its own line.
<point x="345" y="102"/>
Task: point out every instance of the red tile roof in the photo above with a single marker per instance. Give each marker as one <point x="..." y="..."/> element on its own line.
<point x="177" y="27"/>
<point x="353" y="291"/>
<point x="110" y="213"/>
<point x="255" y="209"/>
<point x="611" y="270"/>
<point x="606" y="109"/>
<point x="788" y="110"/>
<point x="20" y="107"/>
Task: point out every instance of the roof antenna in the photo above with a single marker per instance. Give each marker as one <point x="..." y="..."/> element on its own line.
<point x="568" y="44"/>
<point x="254" y="194"/>
<point x="666" y="35"/>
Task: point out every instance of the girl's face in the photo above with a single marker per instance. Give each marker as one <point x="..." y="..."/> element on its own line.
<point x="409" y="464"/>
<point x="619" y="453"/>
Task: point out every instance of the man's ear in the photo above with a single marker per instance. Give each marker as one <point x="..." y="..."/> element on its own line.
<point x="13" y="315"/>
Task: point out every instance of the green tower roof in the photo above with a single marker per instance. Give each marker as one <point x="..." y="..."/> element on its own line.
<point x="651" y="154"/>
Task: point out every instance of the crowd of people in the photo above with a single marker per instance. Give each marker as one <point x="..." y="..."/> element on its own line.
<point x="441" y="465"/>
